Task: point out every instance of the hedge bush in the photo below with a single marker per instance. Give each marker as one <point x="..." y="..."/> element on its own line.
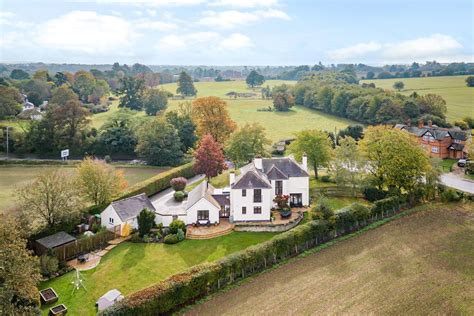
<point x="373" y="194"/>
<point x="171" y="239"/>
<point x="179" y="183"/>
<point x="450" y="195"/>
<point x="179" y="196"/>
<point x="199" y="281"/>
<point x="176" y="225"/>
<point x="159" y="182"/>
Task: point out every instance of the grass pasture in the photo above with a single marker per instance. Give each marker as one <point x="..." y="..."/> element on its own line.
<point x="459" y="97"/>
<point x="422" y="263"/>
<point x="14" y="176"/>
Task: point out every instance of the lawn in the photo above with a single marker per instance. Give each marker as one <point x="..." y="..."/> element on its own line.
<point x="420" y="264"/>
<point x="453" y="89"/>
<point x="130" y="267"/>
<point x="14" y="176"/>
<point x="278" y="124"/>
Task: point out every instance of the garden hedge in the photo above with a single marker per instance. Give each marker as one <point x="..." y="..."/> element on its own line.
<point x="187" y="287"/>
<point x="159" y="182"/>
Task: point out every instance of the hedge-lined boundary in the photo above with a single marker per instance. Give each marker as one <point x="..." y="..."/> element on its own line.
<point x="159" y="182"/>
<point x="201" y="280"/>
<point x="38" y="162"/>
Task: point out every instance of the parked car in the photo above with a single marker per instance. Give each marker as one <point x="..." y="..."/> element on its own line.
<point x="462" y="162"/>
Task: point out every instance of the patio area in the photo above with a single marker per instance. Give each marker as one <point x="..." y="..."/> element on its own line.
<point x="206" y="232"/>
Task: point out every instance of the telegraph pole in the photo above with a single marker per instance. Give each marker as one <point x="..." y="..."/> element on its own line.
<point x="7" y="141"/>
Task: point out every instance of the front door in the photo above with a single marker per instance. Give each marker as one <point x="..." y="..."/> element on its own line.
<point x="296" y="199"/>
<point x="225" y="211"/>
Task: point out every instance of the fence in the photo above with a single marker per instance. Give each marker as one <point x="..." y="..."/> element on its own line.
<point x="338" y="191"/>
<point x="83" y="245"/>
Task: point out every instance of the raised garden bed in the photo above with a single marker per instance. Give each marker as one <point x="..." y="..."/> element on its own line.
<point x="58" y="310"/>
<point x="48" y="296"/>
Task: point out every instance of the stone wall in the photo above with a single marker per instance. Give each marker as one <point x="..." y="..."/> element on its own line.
<point x="263" y="227"/>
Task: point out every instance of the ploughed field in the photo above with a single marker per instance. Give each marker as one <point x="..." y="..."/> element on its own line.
<point x="422" y="263"/>
<point x="459" y="97"/>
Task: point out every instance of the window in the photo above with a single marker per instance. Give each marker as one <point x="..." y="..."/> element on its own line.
<point x="203" y="215"/>
<point x="244" y="210"/>
<point x="457" y="141"/>
<point x="257" y="195"/>
<point x="435" y="149"/>
<point x="244" y="192"/>
<point x="111" y="220"/>
<point x="278" y="187"/>
<point x="257" y="210"/>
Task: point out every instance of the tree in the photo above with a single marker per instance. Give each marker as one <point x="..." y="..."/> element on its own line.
<point x="146" y="221"/>
<point x="98" y="181"/>
<point x="348" y="163"/>
<point x="155" y="101"/>
<point x="158" y="143"/>
<point x="131" y="90"/>
<point x="398" y="85"/>
<point x="212" y="117"/>
<point x="185" y="85"/>
<point x="324" y="99"/>
<point x="71" y="119"/>
<point x="394" y="158"/>
<point x="249" y="141"/>
<point x="42" y="74"/>
<point x="183" y="123"/>
<point x="354" y="131"/>
<point x="317" y="146"/>
<point x="60" y="79"/>
<point x="283" y="100"/>
<point x="254" y="79"/>
<point x="19" y="272"/>
<point x="37" y="91"/>
<point x="433" y="104"/>
<point x="118" y="134"/>
<point x="84" y="83"/>
<point x="19" y="74"/>
<point x="370" y="75"/>
<point x="62" y="95"/>
<point x="51" y="200"/>
<point x="470" y="81"/>
<point x="209" y="158"/>
<point x="10" y="102"/>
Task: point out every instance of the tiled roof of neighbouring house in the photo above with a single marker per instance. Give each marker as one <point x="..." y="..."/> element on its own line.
<point x="456" y="146"/>
<point x="132" y="206"/>
<point x="437" y="132"/>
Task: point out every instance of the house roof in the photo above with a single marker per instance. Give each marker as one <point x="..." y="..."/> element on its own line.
<point x="203" y="190"/>
<point x="437" y="132"/>
<point x="222" y="199"/>
<point x="286" y="165"/>
<point x="56" y="240"/>
<point x="252" y="179"/>
<point x="456" y="146"/>
<point x="132" y="206"/>
<point x="276" y="174"/>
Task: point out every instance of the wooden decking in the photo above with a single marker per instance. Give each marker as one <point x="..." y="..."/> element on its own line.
<point x="208" y="232"/>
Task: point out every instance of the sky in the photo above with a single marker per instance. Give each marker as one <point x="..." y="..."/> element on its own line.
<point x="236" y="32"/>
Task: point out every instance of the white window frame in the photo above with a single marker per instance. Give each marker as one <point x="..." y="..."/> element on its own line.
<point x="435" y="149"/>
<point x="111" y="220"/>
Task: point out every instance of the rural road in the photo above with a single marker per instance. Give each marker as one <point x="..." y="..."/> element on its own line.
<point x="457" y="182"/>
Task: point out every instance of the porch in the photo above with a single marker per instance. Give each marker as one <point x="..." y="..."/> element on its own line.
<point x="207" y="232"/>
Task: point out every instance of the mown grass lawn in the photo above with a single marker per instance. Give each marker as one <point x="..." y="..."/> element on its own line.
<point x="130" y="267"/>
<point x="453" y="89"/>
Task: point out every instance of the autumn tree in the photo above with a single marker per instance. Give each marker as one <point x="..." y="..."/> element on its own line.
<point x="51" y="200"/>
<point x="62" y="95"/>
<point x="98" y="181"/>
<point x="394" y="158"/>
<point x="71" y="118"/>
<point x="283" y="98"/>
<point x="185" y="85"/>
<point x="209" y="158"/>
<point x="10" y="102"/>
<point x="212" y="117"/>
<point x="250" y="140"/>
<point x="348" y="163"/>
<point x="433" y="104"/>
<point x="317" y="146"/>
<point x="19" y="272"/>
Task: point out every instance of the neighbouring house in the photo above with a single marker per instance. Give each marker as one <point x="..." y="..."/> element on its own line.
<point x="31" y="114"/>
<point x="121" y="216"/>
<point x="108" y="299"/>
<point x="438" y="142"/>
<point x="49" y="243"/>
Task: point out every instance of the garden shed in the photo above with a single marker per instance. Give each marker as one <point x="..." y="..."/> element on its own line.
<point x="108" y="299"/>
<point x="51" y="242"/>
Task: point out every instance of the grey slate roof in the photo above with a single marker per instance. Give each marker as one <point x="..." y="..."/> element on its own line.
<point x="132" y="206"/>
<point x="251" y="180"/>
<point x="286" y="165"/>
<point x="56" y="240"/>
<point x="276" y="174"/>
<point x="437" y="132"/>
<point x="456" y="146"/>
<point x="222" y="199"/>
<point x="203" y="190"/>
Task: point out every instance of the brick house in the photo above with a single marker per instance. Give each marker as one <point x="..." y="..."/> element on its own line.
<point x="439" y="142"/>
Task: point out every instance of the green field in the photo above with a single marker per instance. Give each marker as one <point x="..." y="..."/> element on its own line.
<point x="459" y="97"/>
<point x="278" y="124"/>
<point x="12" y="177"/>
<point x="133" y="266"/>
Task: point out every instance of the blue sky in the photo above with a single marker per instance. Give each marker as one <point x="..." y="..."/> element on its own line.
<point x="236" y="32"/>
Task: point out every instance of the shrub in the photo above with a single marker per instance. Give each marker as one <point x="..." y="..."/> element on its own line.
<point x="178" y="184"/>
<point x="180" y="234"/>
<point x="361" y="212"/>
<point x="107" y="159"/>
<point x="387" y="204"/>
<point x="372" y="194"/>
<point x="326" y="179"/>
<point x="177" y="224"/>
<point x="48" y="265"/>
<point x="179" y="196"/>
<point x="171" y="239"/>
<point x="450" y="195"/>
<point x="323" y="210"/>
<point x="135" y="238"/>
<point x="146" y="221"/>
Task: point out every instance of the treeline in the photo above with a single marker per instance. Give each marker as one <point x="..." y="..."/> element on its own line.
<point x="337" y="93"/>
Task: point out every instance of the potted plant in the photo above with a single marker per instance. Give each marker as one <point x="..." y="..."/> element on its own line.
<point x="282" y="205"/>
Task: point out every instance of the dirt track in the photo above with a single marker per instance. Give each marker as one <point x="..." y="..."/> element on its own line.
<point x="419" y="264"/>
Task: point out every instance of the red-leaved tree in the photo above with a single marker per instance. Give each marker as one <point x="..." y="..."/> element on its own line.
<point x="209" y="158"/>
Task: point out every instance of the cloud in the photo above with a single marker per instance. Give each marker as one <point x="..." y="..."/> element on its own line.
<point x="245" y="3"/>
<point x="434" y="47"/>
<point x="150" y="3"/>
<point x="203" y="42"/>
<point x="232" y="18"/>
<point x="155" y="25"/>
<point x="235" y="41"/>
<point x="87" y="32"/>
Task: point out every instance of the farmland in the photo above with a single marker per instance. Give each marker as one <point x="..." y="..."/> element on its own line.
<point x="422" y="263"/>
<point x="459" y="97"/>
<point x="278" y="124"/>
<point x="12" y="177"/>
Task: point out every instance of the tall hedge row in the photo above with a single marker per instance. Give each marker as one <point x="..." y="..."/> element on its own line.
<point x="159" y="182"/>
<point x="201" y="280"/>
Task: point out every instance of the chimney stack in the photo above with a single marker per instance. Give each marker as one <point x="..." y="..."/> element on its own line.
<point x="258" y="162"/>
<point x="420" y="124"/>
<point x="304" y="162"/>
<point x="430" y="123"/>
<point x="232" y="178"/>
